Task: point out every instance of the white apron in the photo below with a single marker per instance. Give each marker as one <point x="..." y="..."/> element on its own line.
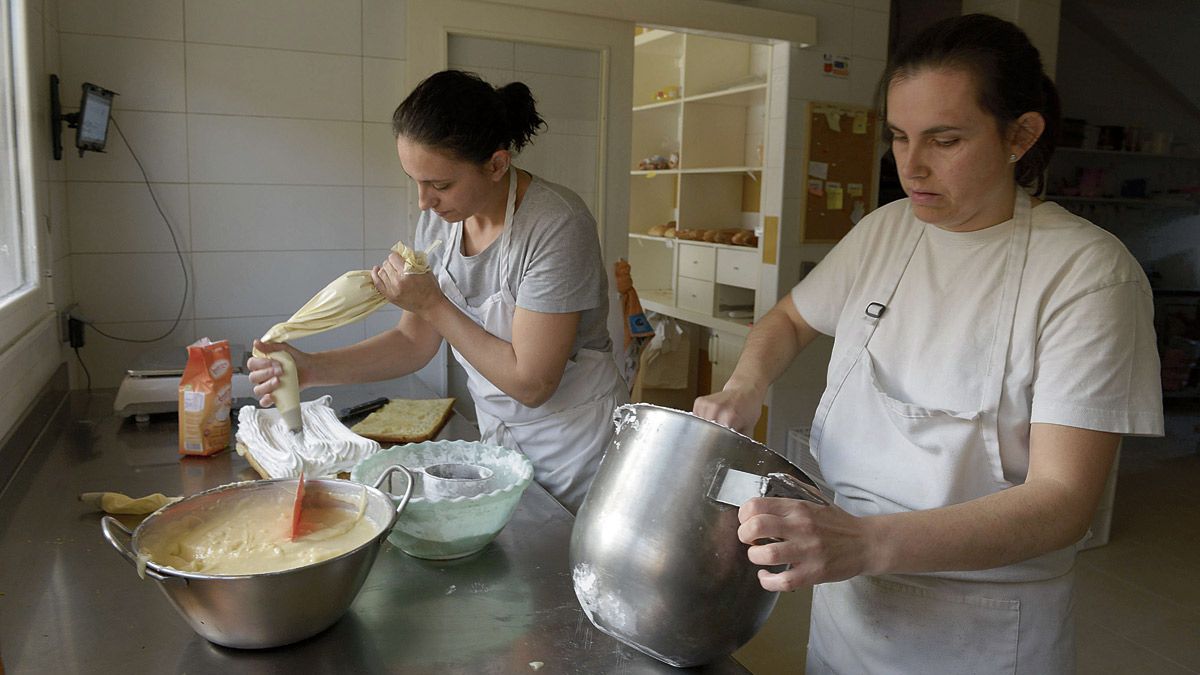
<point x="882" y="455"/>
<point x="564" y="437"/>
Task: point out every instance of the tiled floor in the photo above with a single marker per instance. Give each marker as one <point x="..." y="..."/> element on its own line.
<point x="1138" y="597"/>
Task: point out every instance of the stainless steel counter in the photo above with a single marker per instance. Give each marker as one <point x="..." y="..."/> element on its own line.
<point x="70" y="604"/>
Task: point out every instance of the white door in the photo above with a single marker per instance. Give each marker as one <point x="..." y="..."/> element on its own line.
<point x="580" y="70"/>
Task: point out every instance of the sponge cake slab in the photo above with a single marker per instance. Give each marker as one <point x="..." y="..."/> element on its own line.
<point x="405" y="420"/>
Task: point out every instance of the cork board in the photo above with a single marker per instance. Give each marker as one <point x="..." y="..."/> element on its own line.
<point x="840" y="170"/>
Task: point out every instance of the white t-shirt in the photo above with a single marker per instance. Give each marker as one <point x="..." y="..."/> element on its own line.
<point x="1083" y="348"/>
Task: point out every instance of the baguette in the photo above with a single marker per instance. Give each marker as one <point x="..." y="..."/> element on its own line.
<point x="405" y="420"/>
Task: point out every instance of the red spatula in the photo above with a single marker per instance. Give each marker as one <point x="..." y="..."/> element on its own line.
<point x="296" y="529"/>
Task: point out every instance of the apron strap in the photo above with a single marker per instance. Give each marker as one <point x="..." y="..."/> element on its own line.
<point x="510" y="209"/>
<point x="455" y="241"/>
<point x="1014" y="268"/>
<point x="883" y="290"/>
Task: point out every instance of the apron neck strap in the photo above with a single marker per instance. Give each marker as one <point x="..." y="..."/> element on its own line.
<point x="510" y="209"/>
<point x="1014" y="268"/>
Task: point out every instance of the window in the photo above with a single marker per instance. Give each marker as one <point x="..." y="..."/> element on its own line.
<point x="23" y="300"/>
<point x="13" y="270"/>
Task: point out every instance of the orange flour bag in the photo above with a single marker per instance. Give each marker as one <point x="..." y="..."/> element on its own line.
<point x="205" y="395"/>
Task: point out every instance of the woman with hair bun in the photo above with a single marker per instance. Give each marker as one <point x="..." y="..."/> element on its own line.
<point x="990" y="349"/>
<point x="519" y="289"/>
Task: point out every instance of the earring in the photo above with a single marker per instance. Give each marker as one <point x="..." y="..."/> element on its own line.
<point x="1012" y="159"/>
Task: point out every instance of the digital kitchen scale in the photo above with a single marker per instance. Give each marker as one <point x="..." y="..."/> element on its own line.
<point x="152" y="384"/>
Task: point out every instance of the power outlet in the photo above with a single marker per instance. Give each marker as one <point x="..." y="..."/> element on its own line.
<point x="64" y="322"/>
<point x="75" y="332"/>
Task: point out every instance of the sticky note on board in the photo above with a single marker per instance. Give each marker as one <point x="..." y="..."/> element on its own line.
<point x="854" y="189"/>
<point x="818" y="170"/>
<point x="816" y="187"/>
<point x="833" y="196"/>
<point x="834" y="119"/>
<point x="860" y="123"/>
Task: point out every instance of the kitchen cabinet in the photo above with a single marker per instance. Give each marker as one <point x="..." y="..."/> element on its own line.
<point x="699" y="128"/>
<point x="723" y="351"/>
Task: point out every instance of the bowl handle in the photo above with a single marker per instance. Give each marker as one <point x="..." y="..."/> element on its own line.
<point x="121" y="539"/>
<point x="786" y="485"/>
<point x="407" y="491"/>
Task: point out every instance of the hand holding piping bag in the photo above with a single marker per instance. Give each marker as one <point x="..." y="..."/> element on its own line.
<point x="346" y="299"/>
<point x="412" y="291"/>
<point x="276" y="378"/>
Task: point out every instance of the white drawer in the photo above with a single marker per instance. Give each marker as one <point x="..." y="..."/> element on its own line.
<point x="696" y="262"/>
<point x="737" y="268"/>
<point x="695" y="295"/>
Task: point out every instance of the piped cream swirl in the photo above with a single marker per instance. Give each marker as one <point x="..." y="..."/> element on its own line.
<point x="328" y="448"/>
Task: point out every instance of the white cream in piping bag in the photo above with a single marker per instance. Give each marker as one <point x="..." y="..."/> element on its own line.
<point x="345" y="300"/>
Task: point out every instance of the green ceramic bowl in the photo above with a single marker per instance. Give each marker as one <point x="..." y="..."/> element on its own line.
<point x="441" y="529"/>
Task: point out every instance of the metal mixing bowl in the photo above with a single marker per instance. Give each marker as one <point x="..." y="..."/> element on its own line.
<point x="656" y="562"/>
<point x="255" y="611"/>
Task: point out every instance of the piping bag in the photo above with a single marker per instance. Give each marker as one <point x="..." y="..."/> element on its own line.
<point x="120" y="504"/>
<point x="345" y="300"/>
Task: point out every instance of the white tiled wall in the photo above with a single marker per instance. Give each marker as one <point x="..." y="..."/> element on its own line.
<point x="565" y="83"/>
<point x="264" y="128"/>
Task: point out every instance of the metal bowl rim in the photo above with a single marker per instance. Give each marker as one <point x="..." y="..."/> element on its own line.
<point x="618" y="419"/>
<point x="173" y="572"/>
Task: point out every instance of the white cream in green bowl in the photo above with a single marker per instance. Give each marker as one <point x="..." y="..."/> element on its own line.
<point x="441" y="529"/>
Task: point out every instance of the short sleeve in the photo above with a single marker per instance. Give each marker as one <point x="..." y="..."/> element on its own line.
<point x="561" y="269"/>
<point x="821" y="296"/>
<point x="1097" y="363"/>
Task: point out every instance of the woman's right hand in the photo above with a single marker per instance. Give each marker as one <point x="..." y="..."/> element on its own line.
<point x="734" y="406"/>
<point x="265" y="373"/>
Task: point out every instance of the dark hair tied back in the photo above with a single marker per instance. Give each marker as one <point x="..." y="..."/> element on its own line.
<point x="457" y="111"/>
<point x="1007" y="69"/>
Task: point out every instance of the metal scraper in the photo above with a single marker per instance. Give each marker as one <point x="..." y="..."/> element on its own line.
<point x="734" y="487"/>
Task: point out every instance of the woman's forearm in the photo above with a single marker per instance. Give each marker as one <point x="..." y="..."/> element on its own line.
<point x="529" y="368"/>
<point x="772" y="344"/>
<point x="1051" y="510"/>
<point x="398" y="351"/>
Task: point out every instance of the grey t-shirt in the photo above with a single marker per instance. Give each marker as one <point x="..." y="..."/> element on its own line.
<point x="554" y="263"/>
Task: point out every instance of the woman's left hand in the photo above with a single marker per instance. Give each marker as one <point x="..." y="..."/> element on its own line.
<point x="821" y="543"/>
<point x="415" y="293"/>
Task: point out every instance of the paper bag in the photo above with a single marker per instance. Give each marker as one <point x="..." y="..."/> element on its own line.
<point x="205" y="395"/>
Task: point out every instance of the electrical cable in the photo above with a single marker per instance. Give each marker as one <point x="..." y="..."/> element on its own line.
<point x="178" y="253"/>
<point x="85" y="369"/>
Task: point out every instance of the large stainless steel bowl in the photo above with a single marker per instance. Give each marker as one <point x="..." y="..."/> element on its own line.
<point x="255" y="611"/>
<point x="655" y="562"/>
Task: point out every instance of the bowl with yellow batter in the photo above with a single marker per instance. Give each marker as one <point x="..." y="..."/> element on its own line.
<point x="226" y="558"/>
